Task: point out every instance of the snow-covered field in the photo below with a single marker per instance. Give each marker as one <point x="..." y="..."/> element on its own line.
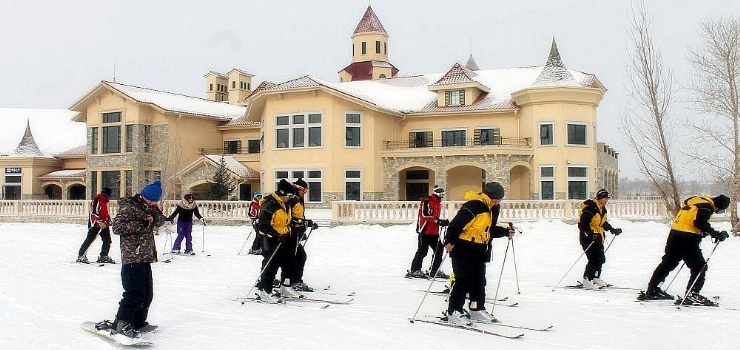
<point x="44" y="295"/>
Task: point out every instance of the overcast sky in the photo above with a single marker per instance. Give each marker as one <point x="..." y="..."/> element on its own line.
<point x="53" y="52"/>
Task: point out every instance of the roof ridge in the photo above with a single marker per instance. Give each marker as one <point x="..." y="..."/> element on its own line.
<point x="108" y="82"/>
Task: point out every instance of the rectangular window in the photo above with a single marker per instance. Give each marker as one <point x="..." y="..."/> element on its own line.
<point x="295" y="129"/>
<point x="232" y="147"/>
<point x="576" y="134"/>
<point x="314" y="136"/>
<point x="253" y="146"/>
<point x="377" y="46"/>
<point x="352" y="185"/>
<point x="577" y="182"/>
<point x="111" y="139"/>
<point x="364" y="48"/>
<point x="313" y="179"/>
<point x="94" y="140"/>
<point x="352" y="129"/>
<point x="547" y="183"/>
<point x="455" y="97"/>
<point x="113" y="117"/>
<point x="486" y="137"/>
<point x="12" y="187"/>
<point x="281" y="138"/>
<point x="299" y="137"/>
<point x="129" y="138"/>
<point x="281" y="175"/>
<point x="546" y="135"/>
<point x="453" y="138"/>
<point x="419" y="139"/>
<point x="147" y="138"/>
<point x="111" y="179"/>
<point x="385" y="48"/>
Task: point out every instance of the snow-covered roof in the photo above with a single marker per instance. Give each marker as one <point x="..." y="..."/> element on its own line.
<point x="410" y="95"/>
<point x="78" y="151"/>
<point x="456" y="75"/>
<point x="234" y="166"/>
<point x="178" y="103"/>
<point x="53" y="129"/>
<point x="64" y="174"/>
<point x="554" y="73"/>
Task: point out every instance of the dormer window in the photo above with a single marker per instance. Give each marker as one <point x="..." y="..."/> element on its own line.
<point x="455" y="97"/>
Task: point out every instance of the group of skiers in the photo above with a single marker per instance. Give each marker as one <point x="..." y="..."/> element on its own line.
<point x="468" y="240"/>
<point x="281" y="226"/>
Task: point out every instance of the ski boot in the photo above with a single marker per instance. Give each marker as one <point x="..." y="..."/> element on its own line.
<point x="106" y="259"/>
<point x="148" y="328"/>
<point x="654" y="294"/>
<point x="268" y="298"/>
<point x="416" y="274"/>
<point x="189" y="252"/>
<point x="441" y="274"/>
<point x="599" y="283"/>
<point x="455" y="318"/>
<point x="480" y="314"/>
<point x="125" y="329"/>
<point x="83" y="259"/>
<point x="697" y="299"/>
<point x="302" y="287"/>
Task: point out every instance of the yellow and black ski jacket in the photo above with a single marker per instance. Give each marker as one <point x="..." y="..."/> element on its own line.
<point x="592" y="219"/>
<point x="274" y="219"/>
<point x="694" y="216"/>
<point x="474" y="225"/>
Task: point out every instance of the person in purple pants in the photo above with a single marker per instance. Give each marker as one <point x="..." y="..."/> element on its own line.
<point x="185" y="209"/>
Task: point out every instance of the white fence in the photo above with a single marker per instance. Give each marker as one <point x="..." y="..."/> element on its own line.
<point x="343" y="212"/>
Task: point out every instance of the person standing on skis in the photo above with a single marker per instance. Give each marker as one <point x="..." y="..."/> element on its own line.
<point x="254" y="213"/>
<point x="591" y="226"/>
<point x="427" y="227"/>
<point x="689" y="226"/>
<point x="184" y="212"/>
<point x="98" y="223"/>
<point x="469" y="243"/>
<point x="299" y="224"/>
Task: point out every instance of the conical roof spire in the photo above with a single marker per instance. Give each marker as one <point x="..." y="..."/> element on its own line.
<point x="554" y="72"/>
<point x="471" y="64"/>
<point x="27" y="146"/>
<point x="369" y="23"/>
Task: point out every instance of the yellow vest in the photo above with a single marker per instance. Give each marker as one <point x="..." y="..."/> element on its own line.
<point x="684" y="220"/>
<point x="477" y="230"/>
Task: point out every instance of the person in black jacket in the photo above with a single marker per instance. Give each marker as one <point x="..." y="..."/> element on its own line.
<point x="591" y="225"/>
<point x="185" y="211"/>
<point x="468" y="241"/>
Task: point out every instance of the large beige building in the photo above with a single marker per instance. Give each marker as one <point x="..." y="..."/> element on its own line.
<point x="373" y="135"/>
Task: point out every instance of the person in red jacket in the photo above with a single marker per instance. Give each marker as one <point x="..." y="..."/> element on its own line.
<point x="98" y="223"/>
<point x="427" y="226"/>
<point x="254" y="213"/>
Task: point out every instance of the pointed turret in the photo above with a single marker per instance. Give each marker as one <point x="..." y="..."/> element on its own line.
<point x="369" y="51"/>
<point x="554" y="73"/>
<point x="471" y="64"/>
<point x="27" y="146"/>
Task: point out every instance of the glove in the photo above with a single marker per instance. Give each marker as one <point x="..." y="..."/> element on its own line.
<point x="102" y="224"/>
<point x="443" y="222"/>
<point x="719" y="236"/>
<point x="616" y="231"/>
<point x="311" y="224"/>
<point x="202" y="220"/>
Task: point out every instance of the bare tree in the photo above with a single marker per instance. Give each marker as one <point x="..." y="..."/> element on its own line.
<point x="647" y="124"/>
<point x="717" y="75"/>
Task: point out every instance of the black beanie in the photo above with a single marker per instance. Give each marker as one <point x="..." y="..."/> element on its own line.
<point x="721" y="202"/>
<point x="493" y="190"/>
<point x="301" y="182"/>
<point x="284" y="188"/>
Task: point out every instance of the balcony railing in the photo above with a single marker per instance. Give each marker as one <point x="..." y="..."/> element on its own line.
<point x="523" y="142"/>
<point x="226" y="151"/>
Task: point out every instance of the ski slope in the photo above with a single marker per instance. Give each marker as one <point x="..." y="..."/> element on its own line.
<point x="45" y="296"/>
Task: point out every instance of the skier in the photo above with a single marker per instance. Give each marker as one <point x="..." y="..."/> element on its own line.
<point x="136" y="220"/>
<point x="468" y="241"/>
<point x="689" y="226"/>
<point x="254" y="213"/>
<point x="184" y="212"/>
<point x="427" y="227"/>
<point x="591" y="225"/>
<point x="299" y="223"/>
<point x="274" y="229"/>
<point x="98" y="223"/>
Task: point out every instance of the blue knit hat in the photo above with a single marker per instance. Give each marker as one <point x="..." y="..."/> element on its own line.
<point x="153" y="191"/>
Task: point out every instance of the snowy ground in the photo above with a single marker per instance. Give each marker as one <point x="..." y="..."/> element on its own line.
<point x="44" y="295"/>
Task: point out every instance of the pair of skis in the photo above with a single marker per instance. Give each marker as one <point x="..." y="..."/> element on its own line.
<point x="483" y="328"/>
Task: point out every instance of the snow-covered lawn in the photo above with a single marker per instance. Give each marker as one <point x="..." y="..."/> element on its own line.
<point x="44" y="295"/>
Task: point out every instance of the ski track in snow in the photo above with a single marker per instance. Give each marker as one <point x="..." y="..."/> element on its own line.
<point x="44" y="295"/>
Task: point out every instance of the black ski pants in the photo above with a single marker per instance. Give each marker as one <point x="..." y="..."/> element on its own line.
<point x="681" y="246"/>
<point x="256" y="244"/>
<point x="424" y="243"/>
<point x="594" y="254"/>
<point x="469" y="266"/>
<point x="138" y="293"/>
<point x="276" y="255"/>
<point x="93" y="232"/>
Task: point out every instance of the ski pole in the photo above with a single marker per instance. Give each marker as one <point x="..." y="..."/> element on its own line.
<point x="698" y="275"/>
<point x="610" y="243"/>
<point x="263" y="269"/>
<point x="434" y="256"/>
<point x="674" y="276"/>
<point x="204" y="238"/>
<point x="513" y="254"/>
<point x="305" y="241"/>
<point x="413" y="318"/>
<point x="246" y="240"/>
<point x="503" y="263"/>
<point x="571" y="267"/>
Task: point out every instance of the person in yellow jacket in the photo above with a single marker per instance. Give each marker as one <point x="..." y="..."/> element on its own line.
<point x="274" y="230"/>
<point x="592" y="223"/>
<point x="468" y="241"/>
<point x="689" y="226"/>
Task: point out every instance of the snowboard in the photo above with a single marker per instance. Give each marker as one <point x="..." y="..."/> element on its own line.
<point x="119" y="339"/>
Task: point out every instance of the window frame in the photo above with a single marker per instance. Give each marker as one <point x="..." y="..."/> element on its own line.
<point x="455" y="97"/>
<point x="455" y="131"/>
<point x="574" y="180"/>
<point x="351" y="126"/>
<point x="315" y="184"/>
<point x="306" y="130"/>
<point x="353" y="180"/>
<point x="551" y="136"/>
<point x="547" y="179"/>
<point x="568" y="133"/>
